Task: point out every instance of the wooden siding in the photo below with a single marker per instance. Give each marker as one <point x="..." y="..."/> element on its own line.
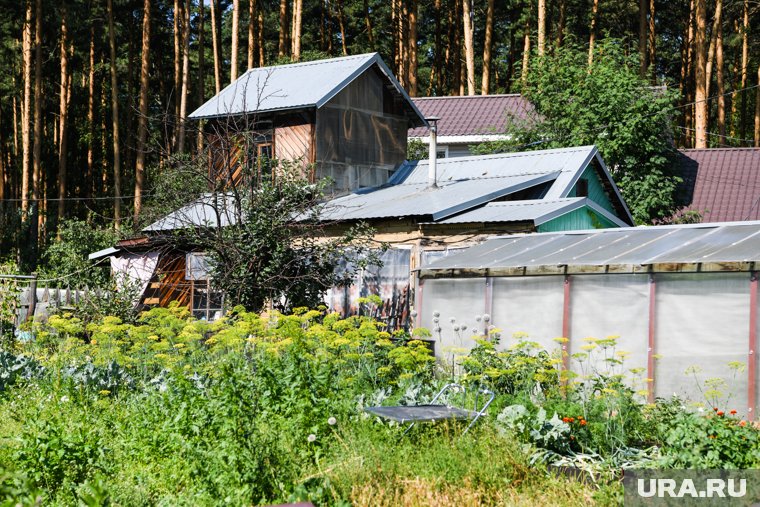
<point x="168" y="283"/>
<point x="580" y="219"/>
<point x="294" y="143"/>
<point x="596" y="191"/>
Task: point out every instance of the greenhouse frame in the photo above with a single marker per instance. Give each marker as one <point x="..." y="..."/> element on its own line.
<point x="681" y="299"/>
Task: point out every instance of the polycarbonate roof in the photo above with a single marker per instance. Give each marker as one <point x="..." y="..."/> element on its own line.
<point x="294" y="86"/>
<point x="737" y="242"/>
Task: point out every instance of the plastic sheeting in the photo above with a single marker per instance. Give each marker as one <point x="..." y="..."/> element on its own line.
<point x="135" y="268"/>
<point x="702" y="325"/>
<point x="532" y="306"/>
<point x="390" y="282"/>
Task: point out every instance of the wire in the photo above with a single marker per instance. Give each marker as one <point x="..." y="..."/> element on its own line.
<point x="58" y="199"/>
<point x="714" y="134"/>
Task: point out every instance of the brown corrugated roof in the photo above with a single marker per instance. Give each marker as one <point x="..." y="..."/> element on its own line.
<point x="472" y="115"/>
<point x="723" y="184"/>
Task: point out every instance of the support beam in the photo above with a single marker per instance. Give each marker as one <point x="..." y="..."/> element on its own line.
<point x="418" y="302"/>
<point x="566" y="324"/>
<point x="651" y="340"/>
<point x="751" y="357"/>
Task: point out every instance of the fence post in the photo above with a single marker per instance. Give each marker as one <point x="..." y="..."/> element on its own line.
<point x="32" y="297"/>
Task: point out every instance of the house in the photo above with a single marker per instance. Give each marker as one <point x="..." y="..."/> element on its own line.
<point x="721" y="184"/>
<point x="343" y="118"/>
<point x="347" y="118"/>
<point x="682" y="300"/>
<point x="426" y="213"/>
<point x="466" y="121"/>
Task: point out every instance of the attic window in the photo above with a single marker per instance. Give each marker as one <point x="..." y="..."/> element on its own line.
<point x="581" y="188"/>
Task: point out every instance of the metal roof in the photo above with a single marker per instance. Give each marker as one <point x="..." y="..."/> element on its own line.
<point x="707" y="247"/>
<point x="538" y="211"/>
<point x="210" y="210"/>
<point x="473" y="114"/>
<point x="723" y="184"/>
<point x="563" y="160"/>
<point x="296" y="86"/>
<point x="468" y="182"/>
<point x="440" y="202"/>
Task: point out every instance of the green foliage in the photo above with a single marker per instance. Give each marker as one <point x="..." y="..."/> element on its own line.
<point x="66" y="258"/>
<point x="416" y="150"/>
<point x="610" y="106"/>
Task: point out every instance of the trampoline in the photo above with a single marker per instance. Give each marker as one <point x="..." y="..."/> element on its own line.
<point x="433" y="412"/>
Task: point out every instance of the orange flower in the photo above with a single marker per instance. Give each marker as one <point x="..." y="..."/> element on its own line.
<point x="720" y="413"/>
<point x="715" y="409"/>
<point x="733" y="412"/>
<point x="583" y="422"/>
<point x="742" y="423"/>
<point x="710" y="436"/>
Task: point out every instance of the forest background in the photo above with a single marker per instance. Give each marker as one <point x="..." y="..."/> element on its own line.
<point x="94" y="94"/>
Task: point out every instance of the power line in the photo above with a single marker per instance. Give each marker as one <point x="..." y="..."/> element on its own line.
<point x="58" y="199"/>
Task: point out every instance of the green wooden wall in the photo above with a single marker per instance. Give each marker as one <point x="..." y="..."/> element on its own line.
<point x="580" y="219"/>
<point x="595" y="190"/>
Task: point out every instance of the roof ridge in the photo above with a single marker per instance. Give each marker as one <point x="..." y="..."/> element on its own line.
<point x="308" y="63"/>
<point x="509" y="154"/>
<point x="495" y="95"/>
<point x="733" y="148"/>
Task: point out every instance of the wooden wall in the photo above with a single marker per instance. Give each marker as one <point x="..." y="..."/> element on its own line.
<point x="168" y="283"/>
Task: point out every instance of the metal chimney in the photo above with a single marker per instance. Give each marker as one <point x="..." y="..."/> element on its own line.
<point x="433" y="153"/>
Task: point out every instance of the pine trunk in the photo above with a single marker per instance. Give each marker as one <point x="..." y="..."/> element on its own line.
<point x="90" y="117"/>
<point x="368" y="24"/>
<point x="282" y="48"/>
<point x="296" y="35"/>
<point x="201" y="69"/>
<point x="63" y="115"/>
<point x="745" y="63"/>
<point x="643" y="28"/>
<point x="486" y="82"/>
<point x="700" y="74"/>
<point x="215" y="47"/>
<point x="26" y="116"/>
<point x="142" y="125"/>
<point x="115" y="121"/>
<point x="713" y="43"/>
<point x="177" y="30"/>
<point x="412" y="47"/>
<point x="757" y="110"/>
<point x="38" y="130"/>
<point x="341" y="23"/>
<point x="721" y="87"/>
<point x="526" y="53"/>
<point x="469" y="47"/>
<point x="592" y="36"/>
<point x="235" y="36"/>
<point x="252" y="19"/>
<point x="541" y="40"/>
<point x="185" y="90"/>
<point x="652" y="43"/>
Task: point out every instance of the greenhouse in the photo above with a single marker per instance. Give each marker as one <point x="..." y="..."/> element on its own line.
<point x="682" y="300"/>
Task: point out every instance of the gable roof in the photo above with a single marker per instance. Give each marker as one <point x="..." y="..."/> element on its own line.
<point x="473" y="115"/>
<point x="465" y="183"/>
<point x="538" y="211"/>
<point x="721" y="183"/>
<point x="297" y="86"/>
<point x="624" y="250"/>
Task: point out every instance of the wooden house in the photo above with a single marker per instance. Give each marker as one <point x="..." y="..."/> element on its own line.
<point x="344" y="118"/>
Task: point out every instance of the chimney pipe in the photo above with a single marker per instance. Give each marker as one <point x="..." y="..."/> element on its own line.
<point x="433" y="152"/>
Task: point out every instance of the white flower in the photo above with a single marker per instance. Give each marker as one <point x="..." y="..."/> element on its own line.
<point x="456" y="328"/>
<point x="332" y="421"/>
<point x="464" y="327"/>
<point x="413" y="313"/>
<point x="64" y="399"/>
<point x="452" y="320"/>
<point x="311" y="438"/>
<point x="486" y="318"/>
<point x="436" y="313"/>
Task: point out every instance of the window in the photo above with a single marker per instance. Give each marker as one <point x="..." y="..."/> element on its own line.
<point x="581" y="188"/>
<point x="206" y="302"/>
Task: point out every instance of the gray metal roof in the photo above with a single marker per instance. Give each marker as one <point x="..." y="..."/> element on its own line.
<point x="538" y="211"/>
<point x="718" y="247"/>
<point x="210" y="210"/>
<point x="420" y="200"/>
<point x="295" y="86"/>
<point x="468" y="182"/>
